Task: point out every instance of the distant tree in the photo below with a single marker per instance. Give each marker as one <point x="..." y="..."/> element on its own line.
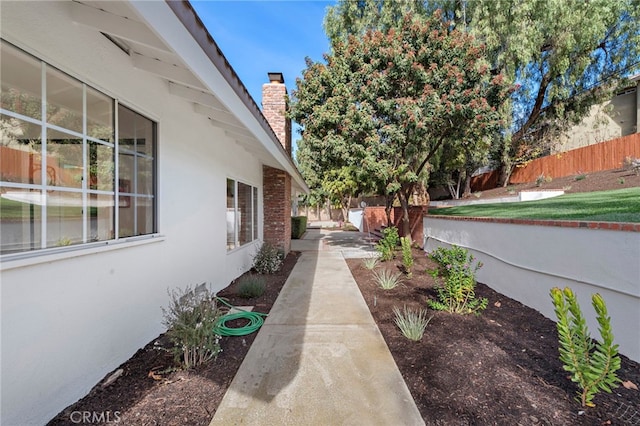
<point x="396" y="98"/>
<point x="566" y="56"/>
<point x="350" y="17"/>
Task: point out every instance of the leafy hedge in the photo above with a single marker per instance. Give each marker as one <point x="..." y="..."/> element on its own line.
<point x="298" y="226"/>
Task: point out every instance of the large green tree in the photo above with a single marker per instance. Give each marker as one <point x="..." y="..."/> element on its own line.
<point x="392" y="100"/>
<point x="564" y="55"/>
<point x="324" y="104"/>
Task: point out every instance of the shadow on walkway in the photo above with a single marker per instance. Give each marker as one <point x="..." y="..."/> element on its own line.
<point x="319" y="358"/>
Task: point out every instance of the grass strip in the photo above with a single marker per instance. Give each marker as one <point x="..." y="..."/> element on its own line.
<point x="621" y="205"/>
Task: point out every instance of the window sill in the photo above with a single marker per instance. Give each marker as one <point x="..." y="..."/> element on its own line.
<point x="21" y="260"/>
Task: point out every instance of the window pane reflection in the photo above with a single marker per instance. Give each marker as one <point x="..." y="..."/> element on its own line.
<point x="20" y="220"/>
<point x="64" y="218"/>
<point x="21" y="82"/>
<point x="101" y="217"/>
<point x="245" y="212"/>
<point x="101" y="167"/>
<point x="231" y="214"/>
<point x="20" y="151"/>
<point x="64" y="100"/>
<point x="145" y="176"/>
<point x="65" y="156"/>
<point x="99" y="115"/>
<point x="145" y="217"/>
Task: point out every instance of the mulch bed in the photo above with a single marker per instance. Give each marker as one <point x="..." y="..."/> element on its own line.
<point x="151" y="392"/>
<point x="498" y="368"/>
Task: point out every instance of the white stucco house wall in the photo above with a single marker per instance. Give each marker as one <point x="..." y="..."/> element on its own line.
<point x="133" y="161"/>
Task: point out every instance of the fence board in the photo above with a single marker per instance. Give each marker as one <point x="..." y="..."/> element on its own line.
<point x="593" y="158"/>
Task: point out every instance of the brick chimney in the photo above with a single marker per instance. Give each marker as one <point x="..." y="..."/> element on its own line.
<point x="277" y="183"/>
<point x="274" y="105"/>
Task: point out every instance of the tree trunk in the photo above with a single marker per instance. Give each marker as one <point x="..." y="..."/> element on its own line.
<point x="346" y="203"/>
<point x="505" y="175"/>
<point x="467" y="185"/>
<point x="388" y="206"/>
<point x="404" y="203"/>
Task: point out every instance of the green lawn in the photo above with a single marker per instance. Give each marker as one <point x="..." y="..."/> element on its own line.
<point x="622" y="205"/>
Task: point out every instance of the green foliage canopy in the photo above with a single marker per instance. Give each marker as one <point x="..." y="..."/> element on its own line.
<point x="387" y="102"/>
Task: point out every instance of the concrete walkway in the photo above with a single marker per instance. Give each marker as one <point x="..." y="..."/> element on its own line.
<point x="319" y="359"/>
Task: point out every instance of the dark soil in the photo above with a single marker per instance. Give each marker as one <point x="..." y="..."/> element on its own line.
<point x="152" y="392"/>
<point x="499" y="368"/>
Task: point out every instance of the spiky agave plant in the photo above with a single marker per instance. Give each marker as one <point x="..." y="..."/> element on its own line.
<point x="592" y="365"/>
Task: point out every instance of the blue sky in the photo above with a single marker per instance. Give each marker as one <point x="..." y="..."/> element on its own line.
<point x="258" y="37"/>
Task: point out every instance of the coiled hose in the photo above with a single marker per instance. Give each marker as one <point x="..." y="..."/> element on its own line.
<point x="256" y="319"/>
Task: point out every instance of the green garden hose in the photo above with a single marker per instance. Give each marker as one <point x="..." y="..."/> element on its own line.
<point x="256" y="319"/>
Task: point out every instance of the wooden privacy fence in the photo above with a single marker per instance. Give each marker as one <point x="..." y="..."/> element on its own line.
<point x="593" y="158"/>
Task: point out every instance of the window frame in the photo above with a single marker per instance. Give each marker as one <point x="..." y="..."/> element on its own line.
<point x="89" y="195"/>
<point x="254" y="192"/>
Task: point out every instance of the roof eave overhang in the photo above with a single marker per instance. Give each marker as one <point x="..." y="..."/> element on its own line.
<point x="181" y="29"/>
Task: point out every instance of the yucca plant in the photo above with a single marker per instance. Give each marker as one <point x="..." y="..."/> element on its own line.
<point x="412" y="323"/>
<point x="592" y="365"/>
<point x="386" y="279"/>
<point x="370" y="262"/>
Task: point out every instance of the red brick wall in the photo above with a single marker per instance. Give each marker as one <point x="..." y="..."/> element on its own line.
<point x="375" y="218"/>
<point x="277" y="207"/>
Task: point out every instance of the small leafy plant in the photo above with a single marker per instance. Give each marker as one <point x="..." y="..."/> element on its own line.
<point x="412" y="323"/>
<point x="581" y="176"/>
<point x="388" y="244"/>
<point x="543" y="179"/>
<point x="386" y="279"/>
<point x="592" y="366"/>
<point x="251" y="286"/>
<point x="456" y="273"/>
<point x="407" y="255"/>
<point x="189" y="319"/>
<point x="370" y="262"/>
<point x="268" y="260"/>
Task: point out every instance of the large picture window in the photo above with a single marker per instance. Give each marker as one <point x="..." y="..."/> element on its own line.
<point x="242" y="214"/>
<point x="75" y="165"/>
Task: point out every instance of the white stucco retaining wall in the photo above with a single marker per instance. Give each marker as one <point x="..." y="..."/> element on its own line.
<point x="524" y="261"/>
<point x="70" y="317"/>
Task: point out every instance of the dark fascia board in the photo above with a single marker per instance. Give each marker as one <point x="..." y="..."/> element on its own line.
<point x="192" y="22"/>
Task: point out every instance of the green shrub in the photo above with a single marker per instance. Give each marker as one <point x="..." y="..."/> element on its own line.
<point x="386" y="279"/>
<point x="388" y="244"/>
<point x="189" y="319"/>
<point x="298" y="226"/>
<point x="592" y="367"/>
<point x="407" y="255"/>
<point x="268" y="260"/>
<point x="412" y="324"/>
<point x="456" y="290"/>
<point x="251" y="286"/>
